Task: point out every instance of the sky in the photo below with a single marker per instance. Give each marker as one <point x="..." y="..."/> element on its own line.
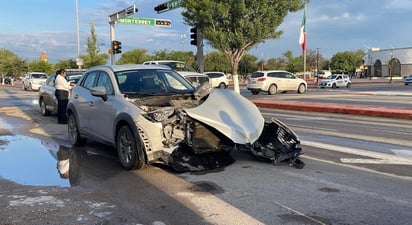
<point x="30" y="27"/>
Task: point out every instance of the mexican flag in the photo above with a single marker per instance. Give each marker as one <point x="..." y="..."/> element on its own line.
<point x="302" y="36"/>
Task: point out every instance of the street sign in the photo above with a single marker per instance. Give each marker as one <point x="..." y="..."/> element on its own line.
<point x="146" y="21"/>
<point x="123" y="13"/>
<point x="173" y="4"/>
<point x="137" y="21"/>
<point x="166" y="6"/>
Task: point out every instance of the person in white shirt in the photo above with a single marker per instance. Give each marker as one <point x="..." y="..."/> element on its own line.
<point x="62" y="94"/>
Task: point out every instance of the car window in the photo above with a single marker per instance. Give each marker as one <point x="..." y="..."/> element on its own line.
<point x="50" y="80"/>
<point x="257" y="74"/>
<point x="39" y="75"/>
<point x="104" y="80"/>
<point x="289" y="76"/>
<point x="151" y="81"/>
<point x="89" y="81"/>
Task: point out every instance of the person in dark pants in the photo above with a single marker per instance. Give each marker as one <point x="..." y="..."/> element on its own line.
<point x="62" y="94"/>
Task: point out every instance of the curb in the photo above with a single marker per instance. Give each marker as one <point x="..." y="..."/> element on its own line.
<point x="400" y="113"/>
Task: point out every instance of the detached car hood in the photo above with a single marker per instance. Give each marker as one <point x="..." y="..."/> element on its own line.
<point x="232" y="114"/>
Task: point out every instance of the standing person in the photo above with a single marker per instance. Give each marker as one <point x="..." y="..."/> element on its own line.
<point x="62" y="94"/>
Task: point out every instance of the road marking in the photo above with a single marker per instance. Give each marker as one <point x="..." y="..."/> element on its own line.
<point x="402" y="152"/>
<point x="377" y="157"/>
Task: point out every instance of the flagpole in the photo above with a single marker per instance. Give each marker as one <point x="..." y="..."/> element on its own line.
<point x="302" y="39"/>
<point x="304" y="53"/>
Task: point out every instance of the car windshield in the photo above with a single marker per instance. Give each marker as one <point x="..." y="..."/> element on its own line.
<point x="152" y="81"/>
<point x="332" y="77"/>
<point x="39" y="75"/>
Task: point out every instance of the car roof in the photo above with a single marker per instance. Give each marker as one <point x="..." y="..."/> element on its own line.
<point x="190" y="73"/>
<point x="116" y="68"/>
<point x="157" y="61"/>
<point x="269" y="71"/>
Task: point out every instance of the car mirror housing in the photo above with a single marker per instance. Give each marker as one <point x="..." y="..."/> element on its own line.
<point x="99" y="91"/>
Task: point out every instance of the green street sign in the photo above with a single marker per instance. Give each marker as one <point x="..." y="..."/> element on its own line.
<point x="146" y="21"/>
<point x="137" y="21"/>
<point x="173" y="4"/>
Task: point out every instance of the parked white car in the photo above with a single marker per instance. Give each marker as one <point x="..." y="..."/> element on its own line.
<point x="33" y="80"/>
<point x="217" y="79"/>
<point x="275" y="81"/>
<point x="335" y="81"/>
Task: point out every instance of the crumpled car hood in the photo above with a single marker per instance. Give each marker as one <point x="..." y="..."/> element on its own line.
<point x="232" y="114"/>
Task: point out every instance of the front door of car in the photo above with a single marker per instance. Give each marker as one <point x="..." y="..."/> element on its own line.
<point x="82" y="98"/>
<point x="105" y="110"/>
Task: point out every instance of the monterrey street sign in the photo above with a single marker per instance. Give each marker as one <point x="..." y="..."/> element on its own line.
<point x="145" y="21"/>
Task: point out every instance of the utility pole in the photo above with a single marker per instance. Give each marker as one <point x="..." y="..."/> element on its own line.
<point x="317" y="65"/>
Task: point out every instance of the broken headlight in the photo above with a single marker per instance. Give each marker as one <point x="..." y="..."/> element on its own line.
<point x="160" y="115"/>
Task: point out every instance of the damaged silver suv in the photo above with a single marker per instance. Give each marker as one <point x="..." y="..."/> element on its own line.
<point x="151" y="114"/>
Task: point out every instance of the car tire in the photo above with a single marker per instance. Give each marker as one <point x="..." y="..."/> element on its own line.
<point x="129" y="149"/>
<point x="254" y="92"/>
<point x="348" y="85"/>
<point x="43" y="108"/>
<point x="334" y="85"/>
<point x="74" y="134"/>
<point x="406" y="83"/>
<point x="222" y="85"/>
<point x="301" y="89"/>
<point x="30" y="88"/>
<point x="272" y="89"/>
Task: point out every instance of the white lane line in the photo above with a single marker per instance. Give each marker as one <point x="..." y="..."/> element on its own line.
<point x="402" y="152"/>
<point x="383" y="157"/>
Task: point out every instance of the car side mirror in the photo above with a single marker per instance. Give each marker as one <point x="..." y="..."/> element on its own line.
<point x="99" y="91"/>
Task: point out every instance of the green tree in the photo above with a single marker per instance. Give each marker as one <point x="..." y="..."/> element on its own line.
<point x="93" y="57"/>
<point x="216" y="61"/>
<point x="347" y="61"/>
<point x="136" y="56"/>
<point x="41" y="66"/>
<point x="248" y="64"/>
<point x="66" y="64"/>
<point x="235" y="26"/>
<point x="11" y="64"/>
<point x="184" y="56"/>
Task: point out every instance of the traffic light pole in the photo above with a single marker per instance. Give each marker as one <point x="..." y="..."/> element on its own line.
<point x="112" y="38"/>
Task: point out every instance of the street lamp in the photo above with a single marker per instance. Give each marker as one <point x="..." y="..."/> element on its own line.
<point x="390" y="66"/>
<point x="79" y="62"/>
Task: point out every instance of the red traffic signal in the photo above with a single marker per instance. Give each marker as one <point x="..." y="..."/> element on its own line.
<point x="193" y="36"/>
<point x="116" y="47"/>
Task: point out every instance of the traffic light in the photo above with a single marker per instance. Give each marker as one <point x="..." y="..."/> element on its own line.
<point x="193" y="36"/>
<point x="161" y="7"/>
<point x="116" y="47"/>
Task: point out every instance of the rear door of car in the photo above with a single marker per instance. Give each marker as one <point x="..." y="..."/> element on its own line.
<point x="291" y="81"/>
<point x="277" y="78"/>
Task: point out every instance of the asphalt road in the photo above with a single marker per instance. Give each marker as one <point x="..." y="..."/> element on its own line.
<point x="327" y="191"/>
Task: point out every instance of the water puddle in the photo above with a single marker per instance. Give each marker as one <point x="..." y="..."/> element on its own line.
<point x="30" y="161"/>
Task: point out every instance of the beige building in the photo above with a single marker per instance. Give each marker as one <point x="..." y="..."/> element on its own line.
<point x="395" y="62"/>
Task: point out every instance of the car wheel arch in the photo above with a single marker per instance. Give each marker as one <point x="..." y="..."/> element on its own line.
<point x="273" y="85"/>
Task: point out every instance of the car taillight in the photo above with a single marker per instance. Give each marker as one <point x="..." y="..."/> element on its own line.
<point x="262" y="79"/>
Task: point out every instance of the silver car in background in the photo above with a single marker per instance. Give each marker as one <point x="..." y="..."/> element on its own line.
<point x="47" y="98"/>
<point x="152" y="114"/>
